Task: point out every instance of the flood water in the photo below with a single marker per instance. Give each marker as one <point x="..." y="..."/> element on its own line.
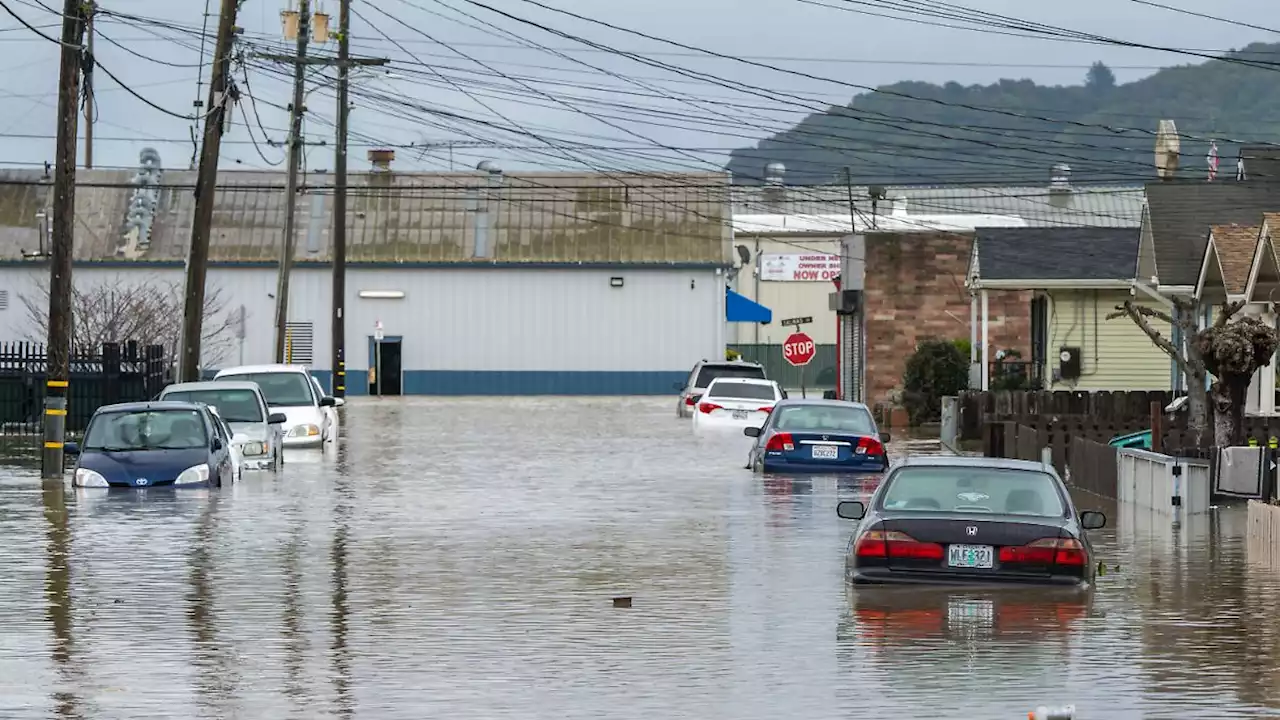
<point x="458" y="558"/>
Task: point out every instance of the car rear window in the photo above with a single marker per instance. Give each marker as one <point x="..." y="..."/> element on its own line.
<point x="711" y="372"/>
<point x="744" y="391"/>
<point x="974" y="489"/>
<point x="799" y="418"/>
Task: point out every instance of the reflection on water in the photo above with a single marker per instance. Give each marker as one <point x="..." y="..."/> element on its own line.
<point x="454" y="559"/>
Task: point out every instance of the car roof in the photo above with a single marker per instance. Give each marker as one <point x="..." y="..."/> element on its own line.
<point x="742" y="381"/>
<point x="974" y="461"/>
<point x="152" y="405"/>
<point x="214" y="385"/>
<point x="273" y="368"/>
<point x="820" y="402"/>
<point x="728" y="363"/>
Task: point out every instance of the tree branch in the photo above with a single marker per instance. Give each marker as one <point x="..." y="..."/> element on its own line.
<point x="1139" y="317"/>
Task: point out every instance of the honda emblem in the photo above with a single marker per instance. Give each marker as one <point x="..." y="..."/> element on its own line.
<point x="971" y="530"/>
<point x="826" y="437"/>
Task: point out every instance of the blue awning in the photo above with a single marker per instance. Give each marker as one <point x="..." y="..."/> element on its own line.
<point x="740" y="309"/>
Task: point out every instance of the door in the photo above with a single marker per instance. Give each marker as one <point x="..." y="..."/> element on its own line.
<point x="385" y="366"/>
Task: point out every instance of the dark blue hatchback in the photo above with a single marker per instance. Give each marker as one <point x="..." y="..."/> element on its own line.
<point x="818" y="436"/>
<point x="154" y="444"/>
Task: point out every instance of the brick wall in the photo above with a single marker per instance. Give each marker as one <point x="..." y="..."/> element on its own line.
<point x="915" y="290"/>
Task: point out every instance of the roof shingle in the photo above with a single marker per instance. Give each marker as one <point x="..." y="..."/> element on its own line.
<point x="1057" y="253"/>
<point x="1182" y="212"/>
<point x="1234" y="246"/>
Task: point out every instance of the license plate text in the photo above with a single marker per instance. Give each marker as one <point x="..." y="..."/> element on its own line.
<point x="970" y="556"/>
<point x="825" y="452"/>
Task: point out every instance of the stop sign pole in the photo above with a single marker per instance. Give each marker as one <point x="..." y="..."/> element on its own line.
<point x="798" y="349"/>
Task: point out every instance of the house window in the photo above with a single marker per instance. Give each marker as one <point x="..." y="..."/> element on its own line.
<point x="298" y="343"/>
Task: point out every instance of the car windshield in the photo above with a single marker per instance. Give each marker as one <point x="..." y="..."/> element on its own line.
<point x="147" y="430"/>
<point x="836" y="418"/>
<point x="282" y="389"/>
<point x="233" y="405"/>
<point x="711" y="372"/>
<point x="741" y="391"/>
<point x="974" y="490"/>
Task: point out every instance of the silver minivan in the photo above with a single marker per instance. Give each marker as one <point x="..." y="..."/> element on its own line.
<point x="257" y="432"/>
<point x="706" y="371"/>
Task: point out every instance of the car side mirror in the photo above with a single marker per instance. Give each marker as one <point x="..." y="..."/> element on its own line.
<point x="71" y="448"/>
<point x="851" y="510"/>
<point x="277" y="419"/>
<point x="1092" y="520"/>
<point x="751" y="431"/>
<point x="339" y="402"/>
<point x="217" y="444"/>
<point x="327" y="401"/>
<point x="885" y="437"/>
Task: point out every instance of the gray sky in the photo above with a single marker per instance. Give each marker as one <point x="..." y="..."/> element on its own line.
<point x="638" y="111"/>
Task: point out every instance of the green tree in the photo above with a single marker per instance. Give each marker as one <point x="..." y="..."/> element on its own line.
<point x="1100" y="78"/>
<point x="935" y="370"/>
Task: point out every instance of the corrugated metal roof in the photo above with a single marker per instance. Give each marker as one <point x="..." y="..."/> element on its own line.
<point x="840" y="224"/>
<point x="1079" y="206"/>
<point x="394" y="217"/>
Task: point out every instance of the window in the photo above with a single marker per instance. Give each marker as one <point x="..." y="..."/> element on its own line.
<point x="298" y="343"/>
<point x="233" y="405"/>
<point x="282" y="389"/>
<point x="974" y="489"/>
<point x="741" y="391"/>
<point x="147" y="430"/>
<point x="711" y="372"/>
<point x="818" y="418"/>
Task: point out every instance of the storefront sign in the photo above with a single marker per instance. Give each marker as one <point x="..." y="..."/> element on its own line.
<point x="799" y="268"/>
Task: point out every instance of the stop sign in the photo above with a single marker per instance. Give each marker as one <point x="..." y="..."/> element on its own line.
<point x="798" y="349"/>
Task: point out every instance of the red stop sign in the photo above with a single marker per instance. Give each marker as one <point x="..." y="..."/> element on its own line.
<point x="798" y="349"/>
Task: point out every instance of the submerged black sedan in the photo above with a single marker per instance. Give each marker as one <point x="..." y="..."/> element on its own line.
<point x="970" y="520"/>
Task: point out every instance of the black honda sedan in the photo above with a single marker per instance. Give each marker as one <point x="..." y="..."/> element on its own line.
<point x="970" y="520"/>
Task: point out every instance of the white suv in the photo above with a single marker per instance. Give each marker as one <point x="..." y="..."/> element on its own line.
<point x="706" y="371"/>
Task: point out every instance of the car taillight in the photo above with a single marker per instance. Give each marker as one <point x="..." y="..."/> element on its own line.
<point x="689" y="400"/>
<point x="779" y="442"/>
<point x="764" y="409"/>
<point x="869" y="446"/>
<point x="1048" y="551"/>
<point x="708" y="407"/>
<point x="893" y="544"/>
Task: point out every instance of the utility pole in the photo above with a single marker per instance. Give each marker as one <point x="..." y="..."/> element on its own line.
<point x="205" y="193"/>
<point x="58" y="373"/>
<point x="90" y="106"/>
<point x="291" y="184"/>
<point x="338" y="322"/>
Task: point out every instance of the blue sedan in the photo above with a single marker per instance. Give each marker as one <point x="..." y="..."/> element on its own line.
<point x="804" y="435"/>
<point x="152" y="444"/>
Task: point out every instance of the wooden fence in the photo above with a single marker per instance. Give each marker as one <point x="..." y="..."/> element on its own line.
<point x="1085" y="462"/>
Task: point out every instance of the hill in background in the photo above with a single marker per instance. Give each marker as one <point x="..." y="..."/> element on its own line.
<point x="883" y="137"/>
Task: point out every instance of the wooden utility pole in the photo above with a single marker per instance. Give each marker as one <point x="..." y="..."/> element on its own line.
<point x="90" y="107"/>
<point x="338" y="322"/>
<point x="291" y="183"/>
<point x="58" y="372"/>
<point x="205" y="194"/>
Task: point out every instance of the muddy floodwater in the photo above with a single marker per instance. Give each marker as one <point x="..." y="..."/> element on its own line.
<point x="458" y="558"/>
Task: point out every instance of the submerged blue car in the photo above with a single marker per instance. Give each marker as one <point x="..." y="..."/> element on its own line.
<point x="811" y="435"/>
<point x="152" y="444"/>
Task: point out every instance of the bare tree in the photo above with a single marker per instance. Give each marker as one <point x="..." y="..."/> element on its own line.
<point x="146" y="310"/>
<point x="1228" y="351"/>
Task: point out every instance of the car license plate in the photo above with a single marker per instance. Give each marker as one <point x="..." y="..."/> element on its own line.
<point x="970" y="612"/>
<point x="825" y="452"/>
<point x="970" y="556"/>
<point x="739" y="414"/>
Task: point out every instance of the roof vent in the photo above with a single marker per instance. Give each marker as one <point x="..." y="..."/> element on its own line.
<point x="382" y="159"/>
<point x="1168" y="149"/>
<point x="774" y="173"/>
<point x="1060" y="178"/>
<point x="775" y="189"/>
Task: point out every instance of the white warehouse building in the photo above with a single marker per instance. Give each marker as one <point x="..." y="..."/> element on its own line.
<point x="477" y="283"/>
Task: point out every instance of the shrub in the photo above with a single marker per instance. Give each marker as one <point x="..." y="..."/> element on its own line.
<point x="935" y="370"/>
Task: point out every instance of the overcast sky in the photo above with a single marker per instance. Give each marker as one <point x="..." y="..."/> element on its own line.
<point x="456" y="79"/>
